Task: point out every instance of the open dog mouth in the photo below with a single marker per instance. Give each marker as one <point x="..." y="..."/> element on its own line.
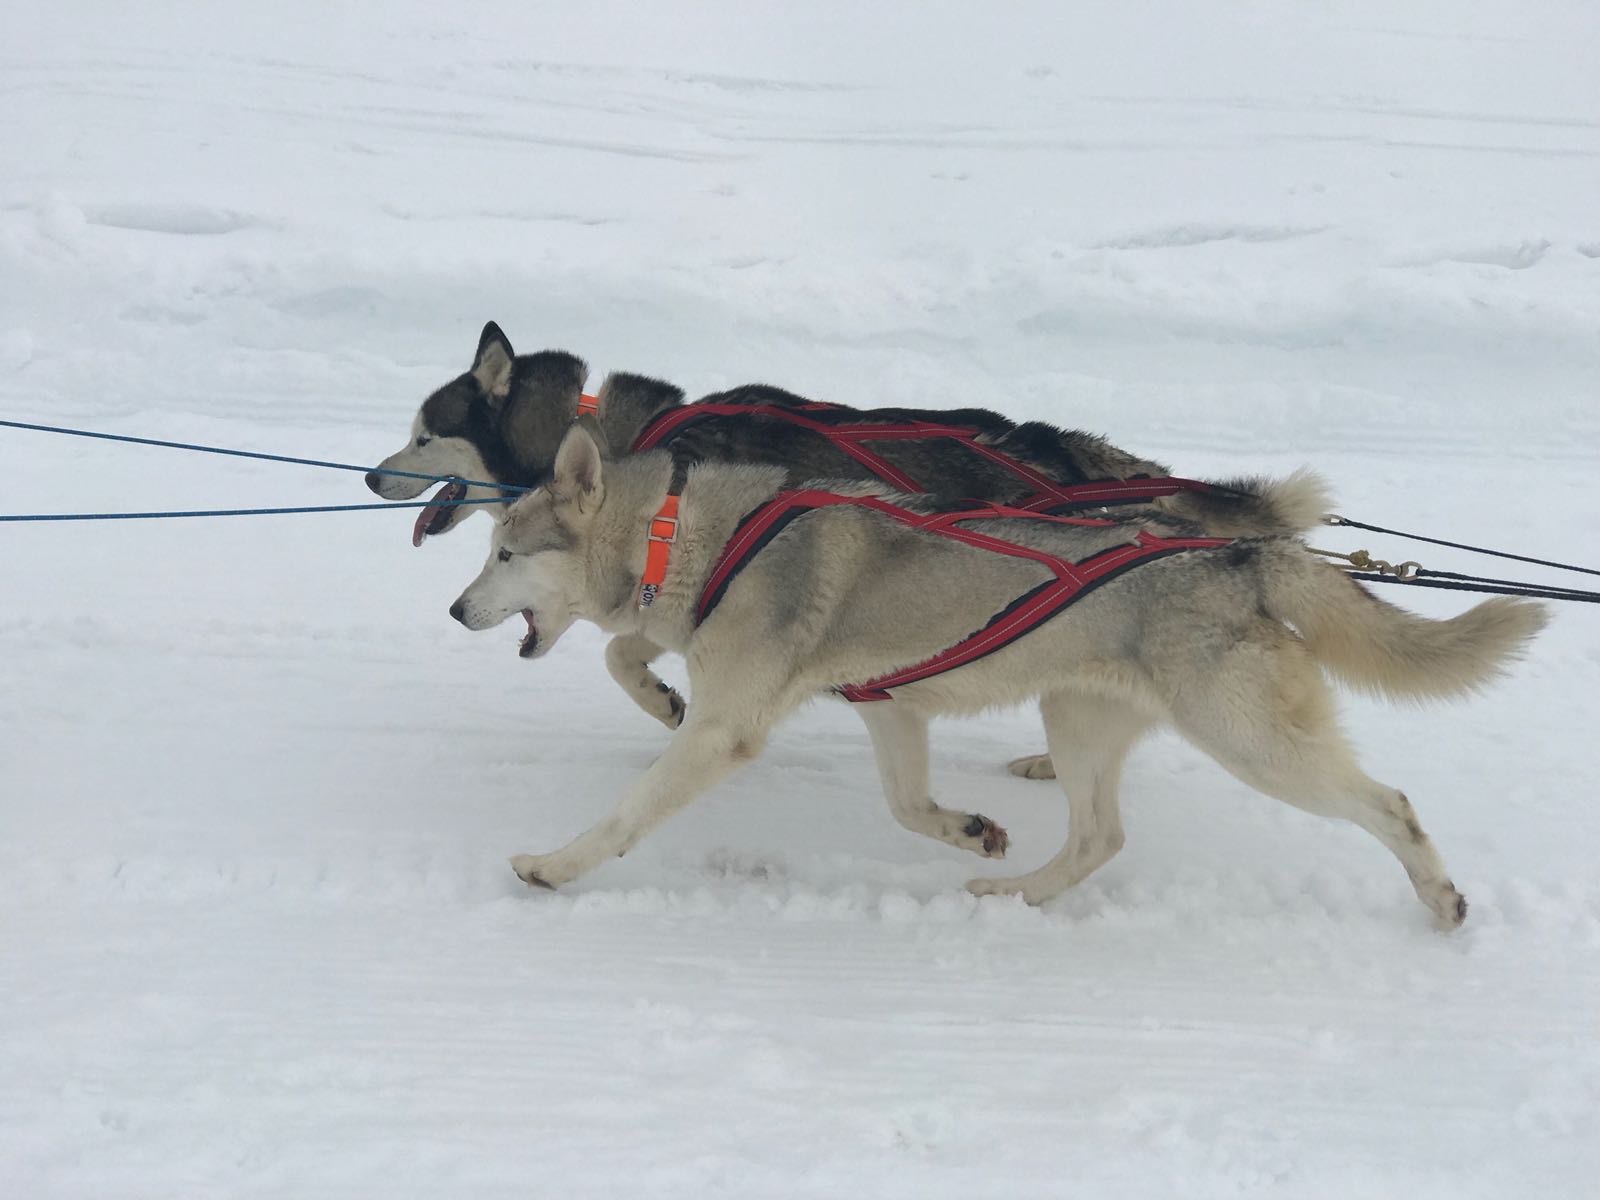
<point x="529" y="646"/>
<point x="436" y="517"/>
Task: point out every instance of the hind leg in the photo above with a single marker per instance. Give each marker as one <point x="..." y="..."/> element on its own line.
<point x="1265" y="714"/>
<point x="1088" y="736"/>
<point x="900" y="743"/>
<point x="628" y="658"/>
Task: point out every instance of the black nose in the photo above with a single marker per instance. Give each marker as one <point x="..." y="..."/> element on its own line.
<point x="374" y="481"/>
<point x="459" y="612"/>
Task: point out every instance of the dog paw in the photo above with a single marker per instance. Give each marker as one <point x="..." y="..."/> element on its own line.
<point x="991" y="887"/>
<point x="990" y="839"/>
<point x="1449" y="906"/>
<point x="1008" y="887"/>
<point x="1032" y="766"/>
<point x="672" y="707"/>
<point x="528" y="867"/>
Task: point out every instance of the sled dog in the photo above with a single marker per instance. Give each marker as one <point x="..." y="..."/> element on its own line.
<point x="1225" y="640"/>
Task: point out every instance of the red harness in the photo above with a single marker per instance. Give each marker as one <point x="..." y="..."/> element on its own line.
<point x="1071" y="580"/>
<point x="848" y="438"/>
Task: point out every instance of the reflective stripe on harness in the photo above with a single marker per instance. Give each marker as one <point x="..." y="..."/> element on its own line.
<point x="848" y="438"/>
<point x="1071" y="582"/>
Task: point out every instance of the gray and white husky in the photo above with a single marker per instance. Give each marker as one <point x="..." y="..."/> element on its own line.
<point x="1227" y="646"/>
<point x="501" y="421"/>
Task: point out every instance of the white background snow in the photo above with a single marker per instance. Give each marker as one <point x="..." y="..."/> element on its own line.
<point x="257" y="935"/>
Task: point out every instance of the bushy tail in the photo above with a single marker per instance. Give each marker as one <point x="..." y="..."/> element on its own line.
<point x="1372" y="645"/>
<point x="1256" y="507"/>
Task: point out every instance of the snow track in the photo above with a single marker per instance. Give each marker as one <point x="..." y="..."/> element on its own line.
<point x="257" y="935"/>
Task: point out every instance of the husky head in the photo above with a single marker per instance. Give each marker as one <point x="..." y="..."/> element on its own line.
<point x="537" y="558"/>
<point x="497" y="423"/>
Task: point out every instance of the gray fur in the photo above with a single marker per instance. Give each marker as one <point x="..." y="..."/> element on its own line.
<point x="1202" y="641"/>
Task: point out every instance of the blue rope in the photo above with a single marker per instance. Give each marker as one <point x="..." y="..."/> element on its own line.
<point x="246" y="512"/>
<point x="278" y="458"/>
<point x="1445" y="579"/>
<point x="1417" y="537"/>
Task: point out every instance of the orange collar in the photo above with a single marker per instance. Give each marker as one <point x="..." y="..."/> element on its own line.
<point x="659" y="536"/>
<point x="588" y="404"/>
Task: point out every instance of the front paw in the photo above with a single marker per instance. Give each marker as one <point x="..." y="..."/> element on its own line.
<point x="534" y="870"/>
<point x="672" y="714"/>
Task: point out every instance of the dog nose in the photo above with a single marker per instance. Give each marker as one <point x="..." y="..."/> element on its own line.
<point x="458" y="610"/>
<point x="374" y="481"/>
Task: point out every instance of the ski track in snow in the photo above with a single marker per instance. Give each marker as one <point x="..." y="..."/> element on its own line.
<point x="257" y="936"/>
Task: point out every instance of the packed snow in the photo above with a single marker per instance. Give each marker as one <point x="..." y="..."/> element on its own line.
<point x="257" y="933"/>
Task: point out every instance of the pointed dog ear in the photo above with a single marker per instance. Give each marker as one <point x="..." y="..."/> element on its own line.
<point x="491" y="367"/>
<point x="576" y="474"/>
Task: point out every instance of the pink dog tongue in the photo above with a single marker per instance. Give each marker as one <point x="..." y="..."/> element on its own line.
<point x="428" y="515"/>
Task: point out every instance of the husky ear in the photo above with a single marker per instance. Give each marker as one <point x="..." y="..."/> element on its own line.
<point x="492" y="364"/>
<point x="576" y="475"/>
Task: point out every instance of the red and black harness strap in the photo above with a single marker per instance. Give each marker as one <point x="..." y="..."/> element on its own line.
<point x="1070" y="581"/>
<point x="833" y="422"/>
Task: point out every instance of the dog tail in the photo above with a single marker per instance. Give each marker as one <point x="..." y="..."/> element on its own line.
<point x="1256" y="507"/>
<point x="1374" y="646"/>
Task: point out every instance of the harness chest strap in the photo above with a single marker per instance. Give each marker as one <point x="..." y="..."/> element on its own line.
<point x="1070" y="581"/>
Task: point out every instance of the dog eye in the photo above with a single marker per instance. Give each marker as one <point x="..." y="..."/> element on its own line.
<point x="424" y="440"/>
<point x="504" y="556"/>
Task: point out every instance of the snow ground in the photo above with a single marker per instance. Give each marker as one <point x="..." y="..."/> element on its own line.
<point x="257" y="937"/>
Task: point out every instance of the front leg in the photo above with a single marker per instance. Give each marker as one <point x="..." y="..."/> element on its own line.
<point x="628" y="658"/>
<point x="703" y="753"/>
<point x="900" y="744"/>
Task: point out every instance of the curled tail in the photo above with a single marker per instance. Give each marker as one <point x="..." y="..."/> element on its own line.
<point x="1373" y="645"/>
<point x="1255" y="507"/>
